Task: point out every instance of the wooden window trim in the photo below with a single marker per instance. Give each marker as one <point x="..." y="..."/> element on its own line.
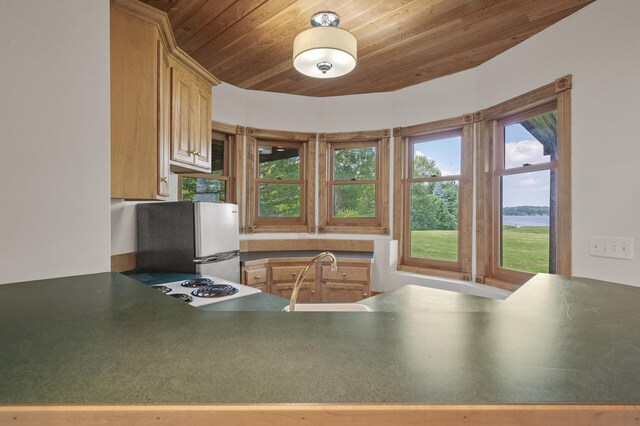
<point x="490" y="167"/>
<point x="306" y="142"/>
<point x="463" y="126"/>
<point x="327" y="142"/>
<point x="233" y="137"/>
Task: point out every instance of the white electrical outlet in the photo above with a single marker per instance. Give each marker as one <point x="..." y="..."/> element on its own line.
<point x="303" y="235"/>
<point x="613" y="247"/>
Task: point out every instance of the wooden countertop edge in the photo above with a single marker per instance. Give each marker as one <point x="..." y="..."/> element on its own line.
<point x="312" y="414"/>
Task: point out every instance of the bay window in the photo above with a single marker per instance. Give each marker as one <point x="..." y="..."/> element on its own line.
<point x="354" y="188"/>
<point x="280" y="181"/>
<point x="524" y="194"/>
<point x="433" y="191"/>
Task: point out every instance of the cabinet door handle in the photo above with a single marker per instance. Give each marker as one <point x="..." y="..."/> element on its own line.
<point x="313" y="292"/>
<point x="257" y="277"/>
<point x="164" y="179"/>
<point x="344" y="274"/>
<point x="364" y="294"/>
<point x="197" y="154"/>
<point x="293" y="274"/>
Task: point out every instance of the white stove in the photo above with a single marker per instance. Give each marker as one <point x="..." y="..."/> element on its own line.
<point x="205" y="290"/>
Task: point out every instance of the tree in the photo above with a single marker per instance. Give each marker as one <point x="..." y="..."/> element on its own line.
<point x="434" y="205"/>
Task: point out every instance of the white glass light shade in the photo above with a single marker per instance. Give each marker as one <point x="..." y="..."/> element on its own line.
<point x="321" y="45"/>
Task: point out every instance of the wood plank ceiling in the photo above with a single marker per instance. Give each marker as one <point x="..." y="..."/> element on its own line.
<point x="248" y="43"/>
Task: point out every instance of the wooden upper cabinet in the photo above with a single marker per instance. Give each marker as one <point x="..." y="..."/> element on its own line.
<point x="191" y="121"/>
<point x="145" y="65"/>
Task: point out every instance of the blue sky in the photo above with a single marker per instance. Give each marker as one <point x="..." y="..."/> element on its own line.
<point x="521" y="147"/>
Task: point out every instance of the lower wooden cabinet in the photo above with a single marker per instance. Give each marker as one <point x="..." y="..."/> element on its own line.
<point x="350" y="283"/>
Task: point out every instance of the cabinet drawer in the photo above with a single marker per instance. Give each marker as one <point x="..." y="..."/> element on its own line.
<point x="290" y="273"/>
<point x="256" y="276"/>
<point x="346" y="273"/>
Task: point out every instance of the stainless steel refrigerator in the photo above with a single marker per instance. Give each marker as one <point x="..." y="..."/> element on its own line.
<point x="191" y="237"/>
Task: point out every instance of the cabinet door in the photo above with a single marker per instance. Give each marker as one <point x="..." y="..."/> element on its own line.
<point x="181" y="116"/>
<point x="164" y="119"/>
<point x="340" y="292"/>
<point x="255" y="278"/>
<point x="202" y="127"/>
<point x="306" y="294"/>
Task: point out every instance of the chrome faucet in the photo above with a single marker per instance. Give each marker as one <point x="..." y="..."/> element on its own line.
<point x="296" y="286"/>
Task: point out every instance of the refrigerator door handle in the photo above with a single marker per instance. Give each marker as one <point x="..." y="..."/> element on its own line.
<point x="218" y="257"/>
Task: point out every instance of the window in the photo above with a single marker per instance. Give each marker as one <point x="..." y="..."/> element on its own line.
<point x="280" y="174"/>
<point x="525" y="202"/>
<point x="354" y="178"/>
<point x="433" y="196"/>
<point x="209" y="186"/>
<point x="219" y="185"/>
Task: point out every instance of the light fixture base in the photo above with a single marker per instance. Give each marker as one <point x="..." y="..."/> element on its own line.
<point x="325" y="19"/>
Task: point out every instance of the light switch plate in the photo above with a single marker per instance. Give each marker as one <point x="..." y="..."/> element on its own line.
<point x="611" y="247"/>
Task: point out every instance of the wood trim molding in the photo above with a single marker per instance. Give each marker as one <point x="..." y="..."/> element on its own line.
<point x="280" y="135"/>
<point x="564" y="83"/>
<point x="161" y="20"/>
<point x="124" y="262"/>
<point x="306" y="244"/>
<point x="531" y="99"/>
<point x="356" y="136"/>
<point x="435" y="126"/>
<point x="322" y="414"/>
<point x="219" y="126"/>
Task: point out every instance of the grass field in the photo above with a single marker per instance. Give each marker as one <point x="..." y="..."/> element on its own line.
<point x="524" y="249"/>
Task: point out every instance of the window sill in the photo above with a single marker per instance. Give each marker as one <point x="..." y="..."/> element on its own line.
<point x="461" y="276"/>
<point x="349" y="229"/>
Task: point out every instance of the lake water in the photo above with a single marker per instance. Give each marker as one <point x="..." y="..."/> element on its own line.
<point x="539" y="220"/>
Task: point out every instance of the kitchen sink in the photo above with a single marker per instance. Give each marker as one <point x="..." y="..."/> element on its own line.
<point x="329" y="307"/>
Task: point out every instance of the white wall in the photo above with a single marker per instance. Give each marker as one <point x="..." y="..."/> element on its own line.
<point x="597" y="45"/>
<point x="54" y="116"/>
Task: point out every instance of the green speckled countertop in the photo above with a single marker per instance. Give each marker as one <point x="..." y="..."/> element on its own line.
<point x="106" y="338"/>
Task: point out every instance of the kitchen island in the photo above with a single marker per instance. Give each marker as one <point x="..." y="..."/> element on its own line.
<point x="115" y="345"/>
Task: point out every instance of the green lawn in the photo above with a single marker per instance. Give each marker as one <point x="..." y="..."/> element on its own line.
<point x="525" y="248"/>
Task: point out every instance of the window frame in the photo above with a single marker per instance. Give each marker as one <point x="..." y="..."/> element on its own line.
<point x="232" y="136"/>
<point x="403" y="150"/>
<point x="328" y="143"/>
<point x="490" y="169"/>
<point x="306" y="143"/>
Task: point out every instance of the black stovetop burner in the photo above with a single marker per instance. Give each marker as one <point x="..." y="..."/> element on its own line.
<point x="215" y="290"/>
<point x="182" y="297"/>
<point x="197" y="282"/>
<point x="163" y="289"/>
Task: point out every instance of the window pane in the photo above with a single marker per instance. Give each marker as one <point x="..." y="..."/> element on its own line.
<point x="196" y="189"/>
<point x="531" y="141"/>
<point x="354" y="163"/>
<point x="437" y="157"/>
<point x="279" y="200"/>
<point x="217" y="157"/>
<point x="525" y="221"/>
<point x="279" y="163"/>
<point x="434" y="220"/>
<point x="358" y="200"/>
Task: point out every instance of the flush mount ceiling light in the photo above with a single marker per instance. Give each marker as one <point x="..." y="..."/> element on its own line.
<point x="325" y="51"/>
